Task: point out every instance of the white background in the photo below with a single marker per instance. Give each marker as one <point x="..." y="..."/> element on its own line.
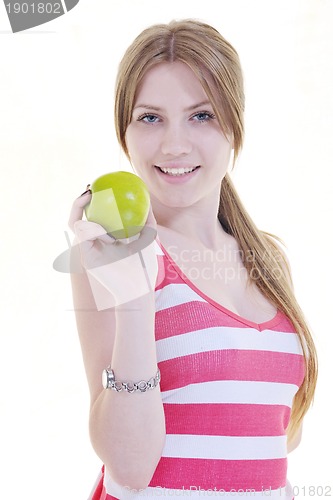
<point x="56" y="135"/>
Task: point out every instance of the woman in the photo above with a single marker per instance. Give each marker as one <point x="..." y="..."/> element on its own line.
<point x="219" y="340"/>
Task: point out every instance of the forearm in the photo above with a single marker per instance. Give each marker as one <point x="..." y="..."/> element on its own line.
<point x="128" y="430"/>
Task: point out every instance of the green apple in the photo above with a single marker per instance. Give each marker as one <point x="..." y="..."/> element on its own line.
<point x="120" y="203"/>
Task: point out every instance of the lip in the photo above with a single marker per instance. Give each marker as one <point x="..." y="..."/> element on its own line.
<point x="176" y="179"/>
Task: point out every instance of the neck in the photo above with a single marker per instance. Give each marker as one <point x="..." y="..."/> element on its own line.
<point x="197" y="223"/>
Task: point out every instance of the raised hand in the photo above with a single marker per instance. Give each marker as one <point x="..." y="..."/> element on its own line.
<point x="119" y="271"/>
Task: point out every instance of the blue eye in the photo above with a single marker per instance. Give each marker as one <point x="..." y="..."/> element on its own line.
<point x="148" y="118"/>
<point x="203" y="116"/>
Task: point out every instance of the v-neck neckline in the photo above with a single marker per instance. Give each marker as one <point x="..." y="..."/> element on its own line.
<point x="252" y="324"/>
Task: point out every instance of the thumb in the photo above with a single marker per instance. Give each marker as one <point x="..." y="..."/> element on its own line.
<point x="147" y="234"/>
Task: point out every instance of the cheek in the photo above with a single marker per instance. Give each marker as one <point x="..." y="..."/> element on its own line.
<point x="133" y="146"/>
<point x="137" y="143"/>
<point x="129" y="137"/>
<point x="217" y="146"/>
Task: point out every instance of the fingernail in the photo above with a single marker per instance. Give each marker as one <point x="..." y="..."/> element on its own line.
<point x="87" y="191"/>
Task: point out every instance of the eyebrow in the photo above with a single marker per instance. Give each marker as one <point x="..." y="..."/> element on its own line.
<point x="156" y="108"/>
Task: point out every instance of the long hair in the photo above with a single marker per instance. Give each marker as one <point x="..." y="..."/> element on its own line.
<point x="216" y="65"/>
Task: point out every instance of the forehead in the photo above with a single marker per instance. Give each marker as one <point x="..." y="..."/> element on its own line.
<point x="167" y="82"/>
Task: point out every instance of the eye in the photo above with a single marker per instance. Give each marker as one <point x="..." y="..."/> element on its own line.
<point x="203" y="116"/>
<point x="148" y="118"/>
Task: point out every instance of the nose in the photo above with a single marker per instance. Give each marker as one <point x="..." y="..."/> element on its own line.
<point x="176" y="141"/>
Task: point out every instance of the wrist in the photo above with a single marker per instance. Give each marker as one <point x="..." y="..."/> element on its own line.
<point x="109" y="382"/>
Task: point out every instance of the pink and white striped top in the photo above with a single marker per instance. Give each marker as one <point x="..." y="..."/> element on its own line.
<point x="227" y="387"/>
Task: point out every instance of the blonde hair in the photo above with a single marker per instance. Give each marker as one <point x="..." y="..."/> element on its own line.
<point x="216" y="64"/>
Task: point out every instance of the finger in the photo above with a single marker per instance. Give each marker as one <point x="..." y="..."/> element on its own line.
<point x="147" y="234"/>
<point x="149" y="230"/>
<point x="151" y="221"/>
<point x="87" y="234"/>
<point x="107" y="248"/>
<point x="85" y="231"/>
<point x="78" y="208"/>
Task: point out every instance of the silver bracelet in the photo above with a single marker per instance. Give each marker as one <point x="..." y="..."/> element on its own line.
<point x="109" y="382"/>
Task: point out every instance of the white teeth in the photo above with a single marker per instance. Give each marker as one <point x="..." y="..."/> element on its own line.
<point x="177" y="171"/>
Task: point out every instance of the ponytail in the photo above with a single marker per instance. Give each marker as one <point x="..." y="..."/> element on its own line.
<point x="268" y="268"/>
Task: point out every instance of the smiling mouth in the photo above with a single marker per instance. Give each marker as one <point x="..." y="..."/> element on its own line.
<point x="177" y="171"/>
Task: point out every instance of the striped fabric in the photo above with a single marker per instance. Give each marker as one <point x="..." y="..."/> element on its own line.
<point x="227" y="386"/>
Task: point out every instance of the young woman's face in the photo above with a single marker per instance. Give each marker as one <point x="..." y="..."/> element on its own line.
<point x="175" y="142"/>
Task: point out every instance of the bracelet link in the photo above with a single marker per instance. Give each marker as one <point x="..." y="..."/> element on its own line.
<point x="117" y="386"/>
<point x="109" y="382"/>
<point x="129" y="386"/>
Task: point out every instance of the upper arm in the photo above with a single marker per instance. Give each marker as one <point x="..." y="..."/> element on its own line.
<point x="96" y="331"/>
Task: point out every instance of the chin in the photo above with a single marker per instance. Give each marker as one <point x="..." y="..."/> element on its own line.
<point x="177" y="202"/>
